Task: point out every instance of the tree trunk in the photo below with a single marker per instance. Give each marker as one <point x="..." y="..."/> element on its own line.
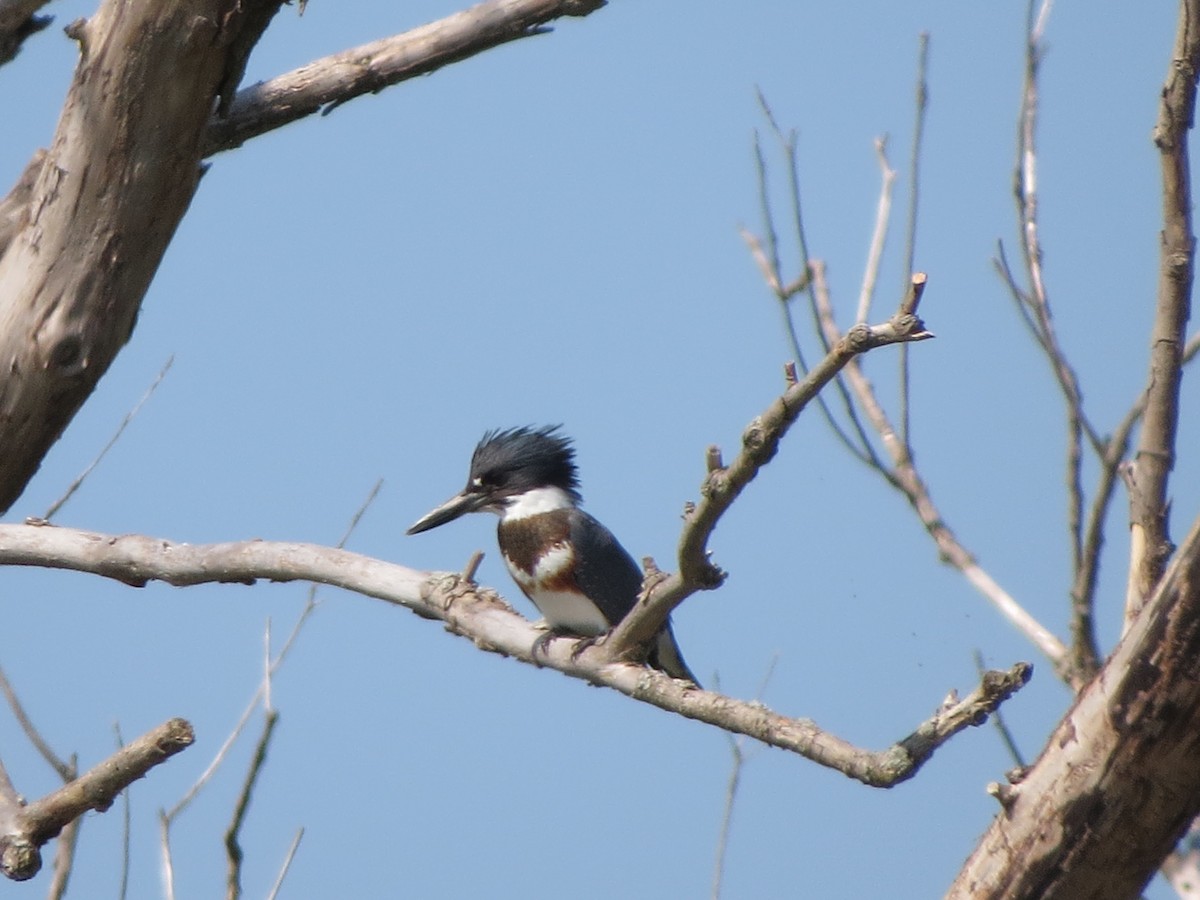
<point x="1119" y="780"/>
<point x="118" y="178"/>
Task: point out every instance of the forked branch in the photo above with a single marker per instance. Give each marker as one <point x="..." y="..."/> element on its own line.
<point x="723" y="484"/>
<point x="25" y="828"/>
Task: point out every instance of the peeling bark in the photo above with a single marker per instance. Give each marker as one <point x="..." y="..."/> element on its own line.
<point x="1117" y="784"/>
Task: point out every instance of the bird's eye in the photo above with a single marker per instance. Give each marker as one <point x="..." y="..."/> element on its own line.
<point x="487" y="480"/>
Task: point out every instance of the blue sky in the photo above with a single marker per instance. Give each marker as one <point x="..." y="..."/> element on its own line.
<point x="549" y="233"/>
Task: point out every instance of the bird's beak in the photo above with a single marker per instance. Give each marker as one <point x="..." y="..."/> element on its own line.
<point x="458" y="505"/>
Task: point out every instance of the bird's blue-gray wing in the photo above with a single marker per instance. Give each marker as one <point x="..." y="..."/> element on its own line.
<point x="604" y="570"/>
<point x="607" y="574"/>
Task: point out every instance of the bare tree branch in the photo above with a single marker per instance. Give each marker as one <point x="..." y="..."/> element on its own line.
<point x="903" y="476"/>
<point x="327" y="83"/>
<point x="233" y="849"/>
<point x="66" y="770"/>
<point x="26" y="829"/>
<point x="129" y="417"/>
<point x="490" y="623"/>
<point x="910" y="237"/>
<point x="64" y="859"/>
<point x="737" y="749"/>
<point x="1155" y="454"/>
<point x="126" y="825"/>
<point x="1114" y="787"/>
<point x="1033" y="305"/>
<point x="262" y="692"/>
<point x="858" y="444"/>
<point x="723" y="485"/>
<point x="1006" y="735"/>
<point x="287" y="864"/>
<point x="883" y="215"/>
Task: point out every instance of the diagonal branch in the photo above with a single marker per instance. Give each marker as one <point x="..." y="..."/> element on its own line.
<point x="769" y="265"/>
<point x="481" y="616"/>
<point x="327" y="83"/>
<point x="903" y="476"/>
<point x="723" y="485"/>
<point x="26" y="829"/>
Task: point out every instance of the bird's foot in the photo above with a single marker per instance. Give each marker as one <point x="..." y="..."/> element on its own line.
<point x="543" y="640"/>
<point x="581" y="644"/>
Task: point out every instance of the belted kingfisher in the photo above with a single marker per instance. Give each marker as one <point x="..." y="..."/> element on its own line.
<point x="581" y="580"/>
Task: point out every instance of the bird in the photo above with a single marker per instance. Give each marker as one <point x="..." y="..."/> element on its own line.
<point x="570" y="566"/>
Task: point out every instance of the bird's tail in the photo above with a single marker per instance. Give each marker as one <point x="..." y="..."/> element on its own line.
<point x="666" y="656"/>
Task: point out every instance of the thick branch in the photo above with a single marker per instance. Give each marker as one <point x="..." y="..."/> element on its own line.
<point x="1116" y="785"/>
<point x="1156" y="447"/>
<point x="331" y="81"/>
<point x="724" y="484"/>
<point x="484" y="618"/>
<point x="27" y="828"/>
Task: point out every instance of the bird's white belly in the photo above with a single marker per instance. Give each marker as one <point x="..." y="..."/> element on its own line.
<point x="569" y="611"/>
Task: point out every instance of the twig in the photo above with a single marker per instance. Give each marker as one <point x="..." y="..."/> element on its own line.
<point x="233" y="850"/>
<point x="788" y="144"/>
<point x="1034" y="307"/>
<point x="309" y="607"/>
<point x="910" y="237"/>
<point x="860" y="448"/>
<point x="914" y="158"/>
<point x="129" y="417"/>
<point x="126" y="825"/>
<point x="1006" y="736"/>
<point x="168" y="862"/>
<point x="64" y="859"/>
<point x="287" y="864"/>
<point x="68" y="770"/>
<point x="262" y="692"/>
<point x="64" y="769"/>
<point x="731" y="790"/>
<point x="737" y="749"/>
<point x="903" y="476"/>
<point x="883" y="215"/>
<point x="770" y="261"/>
<point x="1155" y="454"/>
